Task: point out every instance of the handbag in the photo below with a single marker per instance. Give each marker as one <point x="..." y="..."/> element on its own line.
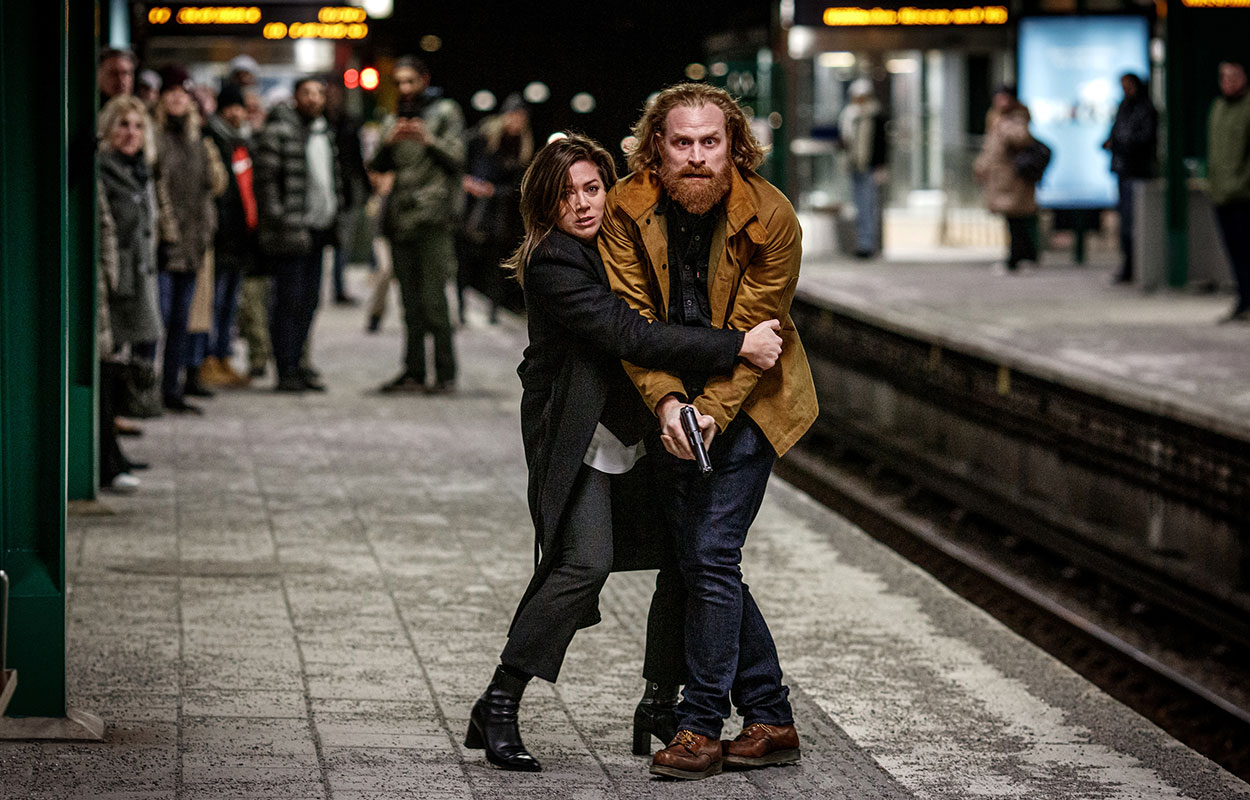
<point x="1031" y="162"/>
<point x="141" y="397"/>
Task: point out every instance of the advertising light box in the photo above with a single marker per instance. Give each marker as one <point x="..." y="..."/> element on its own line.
<point x="1070" y="70"/>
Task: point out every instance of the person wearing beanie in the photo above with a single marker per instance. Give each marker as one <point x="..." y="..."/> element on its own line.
<point x="189" y="176"/>
<point x="235" y="243"/>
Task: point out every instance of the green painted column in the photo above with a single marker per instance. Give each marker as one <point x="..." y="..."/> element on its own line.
<point x="80" y="237"/>
<point x="1178" y="104"/>
<point x="34" y="213"/>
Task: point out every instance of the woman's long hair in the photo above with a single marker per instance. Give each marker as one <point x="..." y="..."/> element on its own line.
<point x="543" y="190"/>
<point x="745" y="150"/>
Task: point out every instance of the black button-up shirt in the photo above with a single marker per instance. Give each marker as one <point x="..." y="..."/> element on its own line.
<point x="689" y="252"/>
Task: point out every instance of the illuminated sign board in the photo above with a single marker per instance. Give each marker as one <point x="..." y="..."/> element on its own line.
<point x="272" y="21"/>
<point x="1070" y="70"/>
<point x="910" y="15"/>
<point x="1216" y="3"/>
<point x="897" y="13"/>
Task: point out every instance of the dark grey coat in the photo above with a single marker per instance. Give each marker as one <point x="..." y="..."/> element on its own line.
<point x="572" y="379"/>
<point x="280" y="164"/>
<point x="127" y="222"/>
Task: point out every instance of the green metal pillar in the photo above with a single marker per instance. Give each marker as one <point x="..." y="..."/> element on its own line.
<point x="1179" y="103"/>
<point x="38" y="228"/>
<point x="80" y="234"/>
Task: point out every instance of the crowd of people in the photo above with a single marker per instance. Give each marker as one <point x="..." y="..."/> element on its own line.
<point x="216" y="211"/>
<point x="629" y="371"/>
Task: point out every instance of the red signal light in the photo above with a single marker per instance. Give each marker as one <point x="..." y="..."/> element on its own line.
<point x="369" y="79"/>
<point x="351" y="78"/>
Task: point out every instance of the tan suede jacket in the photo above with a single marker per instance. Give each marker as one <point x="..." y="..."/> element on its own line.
<point x="754" y="268"/>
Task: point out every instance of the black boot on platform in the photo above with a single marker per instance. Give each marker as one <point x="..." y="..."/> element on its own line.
<point x="493" y="724"/>
<point x="656" y="715"/>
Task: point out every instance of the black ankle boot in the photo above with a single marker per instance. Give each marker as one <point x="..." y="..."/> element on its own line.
<point x="192" y="386"/>
<point x="656" y="715"/>
<point x="493" y="724"/>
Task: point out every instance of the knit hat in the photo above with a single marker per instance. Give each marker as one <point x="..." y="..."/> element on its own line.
<point x="173" y="75"/>
<point x="231" y="95"/>
<point x="861" y="87"/>
<point x="150" y="79"/>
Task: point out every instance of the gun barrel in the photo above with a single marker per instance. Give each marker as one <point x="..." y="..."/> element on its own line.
<point x="690" y="424"/>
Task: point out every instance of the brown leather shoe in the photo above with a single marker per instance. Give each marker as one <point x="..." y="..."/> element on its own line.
<point x="689" y="756"/>
<point x="761" y="745"/>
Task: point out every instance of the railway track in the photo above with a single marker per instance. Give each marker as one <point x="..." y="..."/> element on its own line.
<point x="1187" y="679"/>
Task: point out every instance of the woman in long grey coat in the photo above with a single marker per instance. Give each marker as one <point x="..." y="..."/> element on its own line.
<point x="582" y="424"/>
<point x="129" y="306"/>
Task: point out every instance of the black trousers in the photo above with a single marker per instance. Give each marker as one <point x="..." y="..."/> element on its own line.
<point x="1125" y="207"/>
<point x="295" y="295"/>
<point x="112" y="462"/>
<point x="1235" y="225"/>
<point x="569" y="594"/>
<point x="1022" y="232"/>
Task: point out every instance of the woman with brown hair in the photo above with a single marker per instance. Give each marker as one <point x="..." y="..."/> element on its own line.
<point x="582" y="425"/>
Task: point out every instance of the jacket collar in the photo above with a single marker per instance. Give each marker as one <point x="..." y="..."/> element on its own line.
<point x="640" y="193"/>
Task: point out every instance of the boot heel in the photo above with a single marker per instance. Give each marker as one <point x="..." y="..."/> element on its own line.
<point x="473" y="738"/>
<point x="642" y="741"/>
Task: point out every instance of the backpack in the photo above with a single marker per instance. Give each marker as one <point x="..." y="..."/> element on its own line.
<point x="1031" y="162"/>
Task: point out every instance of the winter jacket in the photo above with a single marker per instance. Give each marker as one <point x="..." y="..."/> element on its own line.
<point x="754" y="270"/>
<point x="235" y="245"/>
<point x="189" y="176"/>
<point x="126" y="212"/>
<point x="427" y="186"/>
<point x="1134" y="138"/>
<point x="281" y="167"/>
<point x="1006" y="134"/>
<point x="1228" y="151"/>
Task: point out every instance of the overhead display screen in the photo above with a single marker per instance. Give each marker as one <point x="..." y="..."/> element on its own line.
<point x="1069" y="72"/>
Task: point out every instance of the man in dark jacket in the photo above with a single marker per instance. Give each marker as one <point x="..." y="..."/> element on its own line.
<point x="237" y="222"/>
<point x="1133" y="143"/>
<point x="298" y="197"/>
<point x="423" y="147"/>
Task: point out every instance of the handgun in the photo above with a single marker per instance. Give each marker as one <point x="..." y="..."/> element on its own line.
<point x="690" y="424"/>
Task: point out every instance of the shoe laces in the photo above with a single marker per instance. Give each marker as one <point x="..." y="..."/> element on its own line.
<point x="687" y="740"/>
<point x="756" y="730"/>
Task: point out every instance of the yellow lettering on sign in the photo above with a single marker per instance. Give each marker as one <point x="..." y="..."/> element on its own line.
<point x="219" y="15"/>
<point x="275" y="30"/>
<point x="159" y="15"/>
<point x="1216" y="3"/>
<point x="332" y="14"/>
<point x="909" y="15"/>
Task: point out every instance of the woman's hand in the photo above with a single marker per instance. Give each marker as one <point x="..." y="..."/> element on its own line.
<point x="762" y="346"/>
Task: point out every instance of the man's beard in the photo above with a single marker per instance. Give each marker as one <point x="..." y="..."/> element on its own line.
<point x="697" y="196"/>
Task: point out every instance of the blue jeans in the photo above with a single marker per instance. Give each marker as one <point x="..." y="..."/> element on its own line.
<point x="867" y="195"/>
<point x="225" y="307"/>
<point x="176" y="289"/>
<point x="730" y="655"/>
<point x="296" y="289"/>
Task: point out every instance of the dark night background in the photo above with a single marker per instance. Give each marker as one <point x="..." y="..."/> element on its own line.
<point x="619" y="53"/>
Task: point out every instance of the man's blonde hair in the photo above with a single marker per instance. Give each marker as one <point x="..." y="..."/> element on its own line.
<point x="745" y="150"/>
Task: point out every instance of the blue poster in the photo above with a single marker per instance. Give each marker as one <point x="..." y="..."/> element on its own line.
<point x="1070" y="70"/>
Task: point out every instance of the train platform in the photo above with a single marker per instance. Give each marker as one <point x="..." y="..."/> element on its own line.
<point x="1162" y="352"/>
<point x="308" y="592"/>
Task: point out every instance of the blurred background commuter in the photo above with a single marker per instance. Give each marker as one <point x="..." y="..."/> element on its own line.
<point x="499" y="150"/>
<point x="189" y="176"/>
<point x="129" y="310"/>
<point x="1133" y="144"/>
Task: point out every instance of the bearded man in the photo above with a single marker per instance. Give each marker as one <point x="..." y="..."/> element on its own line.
<point x="695" y="237"/>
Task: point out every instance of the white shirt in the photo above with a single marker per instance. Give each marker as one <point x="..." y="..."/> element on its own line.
<point x="607" y="455"/>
